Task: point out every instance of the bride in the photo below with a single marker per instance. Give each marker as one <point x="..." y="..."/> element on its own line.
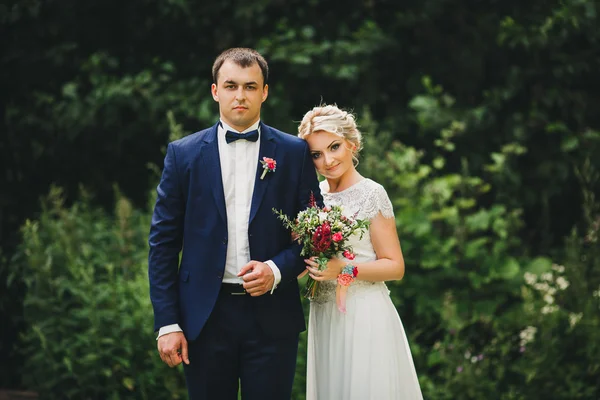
<point x="362" y="353"/>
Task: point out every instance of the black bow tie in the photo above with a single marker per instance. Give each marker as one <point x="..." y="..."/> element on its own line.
<point x="251" y="136"/>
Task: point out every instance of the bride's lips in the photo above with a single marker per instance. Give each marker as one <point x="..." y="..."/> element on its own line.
<point x="332" y="168"/>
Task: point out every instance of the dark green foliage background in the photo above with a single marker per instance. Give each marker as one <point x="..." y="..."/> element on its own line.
<point x="481" y="121"/>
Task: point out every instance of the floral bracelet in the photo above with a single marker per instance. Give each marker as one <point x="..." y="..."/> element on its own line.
<point x="346" y="277"/>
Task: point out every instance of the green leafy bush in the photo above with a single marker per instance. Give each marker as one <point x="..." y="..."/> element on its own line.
<point x="485" y="318"/>
<point x="87" y="309"/>
<point x="547" y="348"/>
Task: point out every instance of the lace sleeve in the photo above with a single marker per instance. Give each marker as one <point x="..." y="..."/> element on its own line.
<point x="377" y="201"/>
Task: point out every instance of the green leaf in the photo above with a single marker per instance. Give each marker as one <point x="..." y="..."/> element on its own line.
<point x="539" y="265"/>
<point x="509" y="269"/>
<point x="569" y="144"/>
<point x="129" y="383"/>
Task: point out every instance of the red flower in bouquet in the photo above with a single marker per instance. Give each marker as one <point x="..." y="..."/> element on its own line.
<point x="337" y="237"/>
<point x="312" y="202"/>
<point x="321" y="239"/>
<point x="349" y="255"/>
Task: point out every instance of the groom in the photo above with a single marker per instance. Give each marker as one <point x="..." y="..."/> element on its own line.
<point x="230" y="310"/>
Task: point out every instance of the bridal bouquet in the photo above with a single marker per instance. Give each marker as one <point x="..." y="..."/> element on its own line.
<point x="324" y="233"/>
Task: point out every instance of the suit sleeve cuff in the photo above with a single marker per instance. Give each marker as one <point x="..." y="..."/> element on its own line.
<point x="276" y="273"/>
<point x="169" y="329"/>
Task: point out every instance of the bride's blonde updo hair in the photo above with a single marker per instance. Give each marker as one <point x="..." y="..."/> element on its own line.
<point x="331" y="118"/>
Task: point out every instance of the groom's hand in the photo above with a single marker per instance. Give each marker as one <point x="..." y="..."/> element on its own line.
<point x="258" y="278"/>
<point x="173" y="349"/>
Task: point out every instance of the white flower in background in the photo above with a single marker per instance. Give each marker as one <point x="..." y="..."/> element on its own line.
<point x="542" y="287"/>
<point x="527" y="335"/>
<point x="549" y="309"/>
<point x="547" y="276"/>
<point x="558" y="268"/>
<point x="574" y="319"/>
<point x="596" y="292"/>
<point x="530" y="278"/>
<point x="467" y="355"/>
<point x="562" y="283"/>
<point x="551" y="291"/>
<point x="548" y="298"/>
<point x="473" y="359"/>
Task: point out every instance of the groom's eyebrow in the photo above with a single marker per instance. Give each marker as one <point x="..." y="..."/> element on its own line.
<point x="231" y="82"/>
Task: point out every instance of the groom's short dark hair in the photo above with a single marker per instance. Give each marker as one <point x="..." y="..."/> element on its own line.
<point x="243" y="57"/>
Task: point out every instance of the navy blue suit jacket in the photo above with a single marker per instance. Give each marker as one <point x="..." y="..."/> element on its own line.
<point x="190" y="219"/>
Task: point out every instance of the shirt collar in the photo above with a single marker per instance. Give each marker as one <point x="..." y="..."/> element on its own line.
<point x="253" y="127"/>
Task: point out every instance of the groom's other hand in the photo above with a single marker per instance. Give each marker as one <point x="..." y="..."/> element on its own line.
<point x="258" y="278"/>
<point x="173" y="349"/>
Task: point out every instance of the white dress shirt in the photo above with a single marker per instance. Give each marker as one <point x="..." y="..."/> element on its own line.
<point x="239" y="161"/>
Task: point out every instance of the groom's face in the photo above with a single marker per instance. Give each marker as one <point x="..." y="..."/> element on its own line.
<point x="240" y="93"/>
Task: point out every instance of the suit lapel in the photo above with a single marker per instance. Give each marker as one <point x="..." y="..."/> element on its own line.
<point x="212" y="165"/>
<point x="267" y="149"/>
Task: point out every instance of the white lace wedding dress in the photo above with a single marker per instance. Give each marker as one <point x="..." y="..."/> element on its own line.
<point x="363" y="354"/>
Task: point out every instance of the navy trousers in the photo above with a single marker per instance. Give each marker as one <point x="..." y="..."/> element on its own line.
<point x="232" y="351"/>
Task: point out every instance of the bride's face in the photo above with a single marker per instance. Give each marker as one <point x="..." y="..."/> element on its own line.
<point x="331" y="154"/>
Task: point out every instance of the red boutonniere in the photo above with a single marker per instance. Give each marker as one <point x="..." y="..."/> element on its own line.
<point x="269" y="165"/>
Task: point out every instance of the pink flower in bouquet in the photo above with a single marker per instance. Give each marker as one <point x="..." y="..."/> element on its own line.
<point x="355" y="272"/>
<point x="337" y="237"/>
<point x="349" y="255"/>
<point x="321" y="239"/>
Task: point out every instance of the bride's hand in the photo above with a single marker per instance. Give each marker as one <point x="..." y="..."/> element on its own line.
<point x="331" y="272"/>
